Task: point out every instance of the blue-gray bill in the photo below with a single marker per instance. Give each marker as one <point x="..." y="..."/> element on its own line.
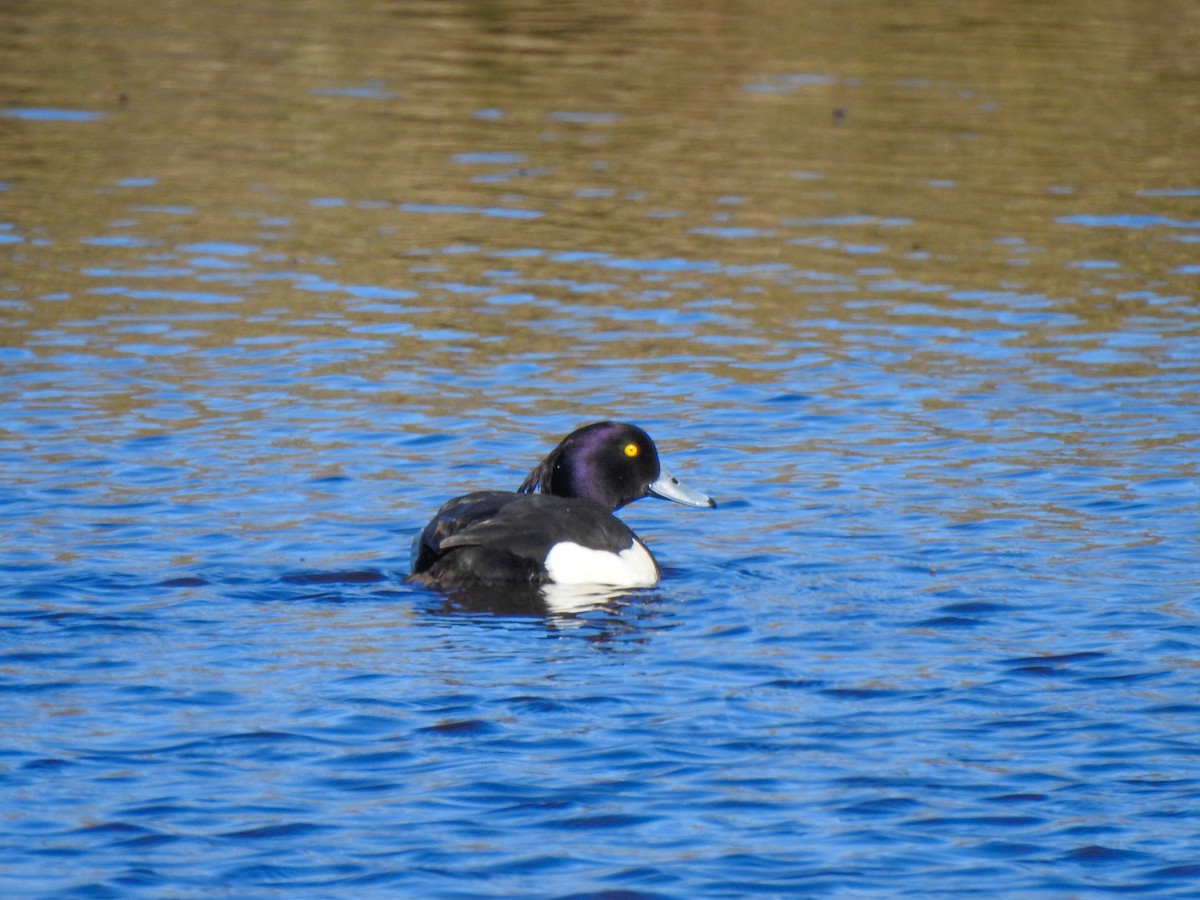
<point x="668" y="487"/>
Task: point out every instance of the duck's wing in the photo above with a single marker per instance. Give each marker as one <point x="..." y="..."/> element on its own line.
<point x="502" y="536"/>
<point x="485" y="536"/>
<point x="454" y="519"/>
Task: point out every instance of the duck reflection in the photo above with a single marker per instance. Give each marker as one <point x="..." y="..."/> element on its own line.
<point x="559" y="601"/>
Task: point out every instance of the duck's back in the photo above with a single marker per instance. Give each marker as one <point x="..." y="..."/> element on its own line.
<point x="527" y="538"/>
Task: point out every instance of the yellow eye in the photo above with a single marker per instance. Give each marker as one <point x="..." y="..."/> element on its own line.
<point x="632" y="450"/>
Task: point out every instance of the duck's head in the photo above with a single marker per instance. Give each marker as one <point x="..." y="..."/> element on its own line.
<point x="611" y="463"/>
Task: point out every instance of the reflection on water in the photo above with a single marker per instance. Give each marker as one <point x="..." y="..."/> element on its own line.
<point x="915" y="289"/>
<point x="553" y="601"/>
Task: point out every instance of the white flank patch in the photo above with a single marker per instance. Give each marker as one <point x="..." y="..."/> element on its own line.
<point x="570" y="563"/>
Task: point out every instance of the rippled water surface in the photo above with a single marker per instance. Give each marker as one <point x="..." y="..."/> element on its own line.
<point x="913" y="294"/>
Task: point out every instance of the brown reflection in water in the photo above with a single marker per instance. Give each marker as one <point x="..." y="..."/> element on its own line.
<point x="959" y="132"/>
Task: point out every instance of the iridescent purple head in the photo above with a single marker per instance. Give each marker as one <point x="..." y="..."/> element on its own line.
<point x="610" y="463"/>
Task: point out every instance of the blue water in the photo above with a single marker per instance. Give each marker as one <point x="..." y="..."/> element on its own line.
<point x="939" y="638"/>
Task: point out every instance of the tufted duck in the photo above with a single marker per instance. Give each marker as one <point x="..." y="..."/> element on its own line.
<point x="558" y="527"/>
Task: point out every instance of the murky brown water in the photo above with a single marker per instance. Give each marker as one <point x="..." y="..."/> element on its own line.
<point x="626" y="128"/>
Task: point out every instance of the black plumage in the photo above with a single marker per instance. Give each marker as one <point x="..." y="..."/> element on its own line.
<point x="503" y="536"/>
<point x="568" y="498"/>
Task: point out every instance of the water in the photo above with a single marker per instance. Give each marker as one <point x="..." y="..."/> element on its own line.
<point x="911" y="293"/>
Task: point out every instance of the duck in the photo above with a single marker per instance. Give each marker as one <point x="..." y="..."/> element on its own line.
<point x="558" y="527"/>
